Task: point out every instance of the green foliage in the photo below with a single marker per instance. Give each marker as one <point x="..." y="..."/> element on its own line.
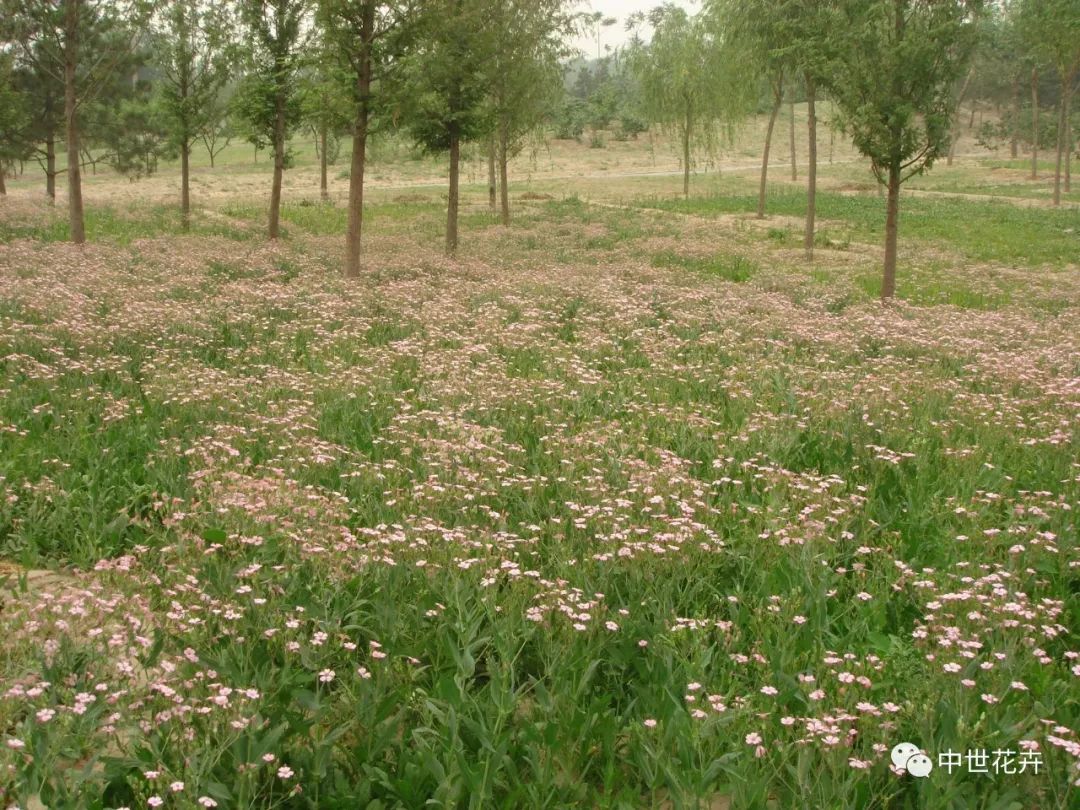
<point x="691" y="75"/>
<point x="278" y="36"/>
<point x="15" y="116"/>
<point x="192" y="55"/>
<point x="525" y="72"/>
<point x="445" y="93"/>
<point x="891" y="77"/>
<point x="140" y="135"/>
<point x="570" y="119"/>
<point x="994" y="135"/>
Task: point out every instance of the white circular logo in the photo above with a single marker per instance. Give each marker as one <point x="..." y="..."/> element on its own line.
<point x="908" y="756"/>
<point x="919" y="765"/>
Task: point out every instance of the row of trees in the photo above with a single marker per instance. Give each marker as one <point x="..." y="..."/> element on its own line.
<point x="489" y="72"/>
<point x="896" y="72"/>
<point x="447" y="71"/>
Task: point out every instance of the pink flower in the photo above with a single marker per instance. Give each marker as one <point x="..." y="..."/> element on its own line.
<point x="650" y="723"/>
<point x="155" y="801"/>
<point x="206" y="801"/>
<point x="327" y="675"/>
<point x="176" y="787"/>
<point x="753" y="738"/>
<point x="284" y="772"/>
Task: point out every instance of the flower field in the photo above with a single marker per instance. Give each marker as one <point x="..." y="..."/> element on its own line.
<point x="625" y="508"/>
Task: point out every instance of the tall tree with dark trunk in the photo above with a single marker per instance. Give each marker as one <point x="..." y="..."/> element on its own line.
<point x="891" y="76"/>
<point x="445" y="96"/>
<point x="370" y="40"/>
<point x="190" y="47"/>
<point x="278" y="32"/>
<point x="693" y="79"/>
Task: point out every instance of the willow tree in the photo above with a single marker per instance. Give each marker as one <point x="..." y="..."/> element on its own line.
<point x="760" y="26"/>
<point x="891" y="75"/>
<point x="691" y="80"/>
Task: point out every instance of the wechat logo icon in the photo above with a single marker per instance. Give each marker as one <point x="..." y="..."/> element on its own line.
<point x="908" y="756"/>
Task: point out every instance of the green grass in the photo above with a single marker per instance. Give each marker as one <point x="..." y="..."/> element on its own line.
<point x="980" y="231"/>
<point x="117" y="225"/>
<point x="728" y="267"/>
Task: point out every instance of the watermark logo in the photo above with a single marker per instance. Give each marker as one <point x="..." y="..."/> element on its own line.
<point x="908" y="756"/>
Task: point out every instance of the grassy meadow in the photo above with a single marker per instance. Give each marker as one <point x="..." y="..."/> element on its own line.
<point x="627" y="506"/>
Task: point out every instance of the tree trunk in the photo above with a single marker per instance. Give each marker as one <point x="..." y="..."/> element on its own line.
<point x="686" y="156"/>
<point x="892" y="216"/>
<point x="324" y="189"/>
<point x="1068" y="139"/>
<point x="211" y="151"/>
<point x="452" y="198"/>
<point x="1034" y="123"/>
<point x="185" y="185"/>
<point x="50" y="169"/>
<point x="778" y="100"/>
<point x="791" y="138"/>
<point x="1013" y="145"/>
<point x="273" y="230"/>
<point x="493" y="185"/>
<point x="355" y="229"/>
<point x="811" y="187"/>
<point x="3" y="187"/>
<point x="504" y="175"/>
<point x="953" y="123"/>
<point x="71" y="55"/>
<point x="1061" y="127"/>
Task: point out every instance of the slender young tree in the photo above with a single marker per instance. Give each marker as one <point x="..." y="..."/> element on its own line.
<point x="190" y="47"/>
<point x="446" y="96"/>
<point x="891" y="77"/>
<point x="1051" y="29"/>
<point x="326" y="99"/>
<point x="370" y="40"/>
<point x="692" y="80"/>
<point x="269" y="100"/>
<point x="525" y="70"/>
<point x="759" y="26"/>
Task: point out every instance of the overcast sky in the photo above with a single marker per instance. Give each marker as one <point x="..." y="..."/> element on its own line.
<point x="620" y="9"/>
